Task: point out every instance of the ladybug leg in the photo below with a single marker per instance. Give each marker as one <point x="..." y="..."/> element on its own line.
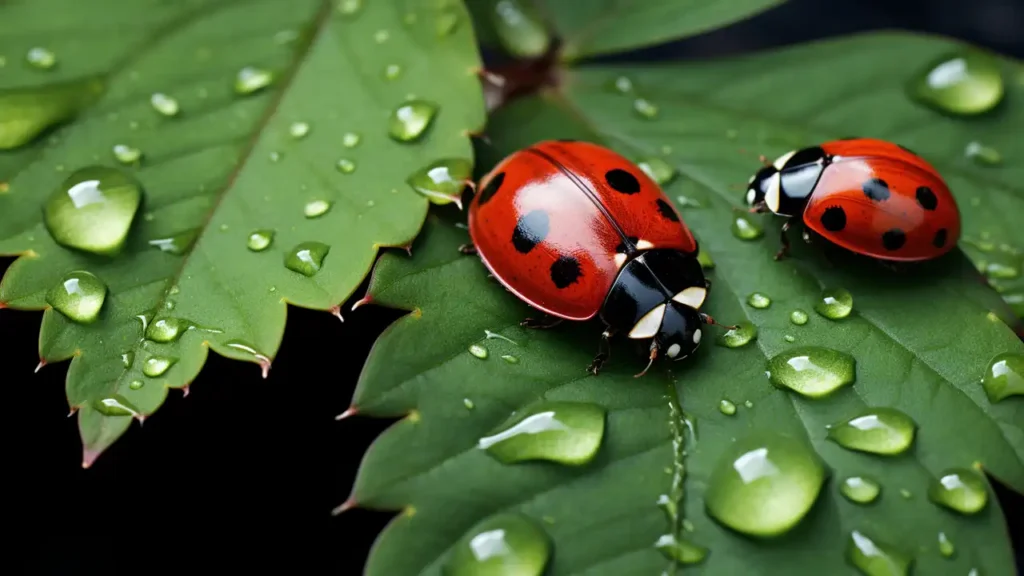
<point x="784" y="237"/>
<point x="543" y="323"/>
<point x="604" y="350"/>
<point x="711" y="321"/>
<point x="654" y="354"/>
<point x="467" y="249"/>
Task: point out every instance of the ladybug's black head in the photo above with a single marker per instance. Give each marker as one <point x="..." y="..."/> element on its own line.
<point x="680" y="332"/>
<point x="762" y="186"/>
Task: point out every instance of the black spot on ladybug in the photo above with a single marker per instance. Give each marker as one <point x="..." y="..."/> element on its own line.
<point x="894" y="239"/>
<point x="666" y="211"/>
<point x="492" y="188"/>
<point x="905" y="149"/>
<point x="940" y="238"/>
<point x="531" y="229"/>
<point x="565" y="271"/>
<point x="621" y="248"/>
<point x="622" y="181"/>
<point x="926" y="198"/>
<point x="833" y="218"/>
<point x="876" y="189"/>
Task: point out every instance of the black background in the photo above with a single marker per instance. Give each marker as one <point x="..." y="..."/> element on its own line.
<point x="243" y="473"/>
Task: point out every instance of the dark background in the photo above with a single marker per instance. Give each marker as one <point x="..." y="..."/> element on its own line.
<point x="243" y="473"/>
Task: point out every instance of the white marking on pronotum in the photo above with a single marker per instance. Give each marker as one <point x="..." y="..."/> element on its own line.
<point x="648" y="326"/>
<point x="693" y="296"/>
<point x="780" y="162"/>
<point x="771" y="198"/>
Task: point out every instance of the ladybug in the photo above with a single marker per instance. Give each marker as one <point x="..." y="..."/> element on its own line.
<point x="575" y="230"/>
<point x="869" y="196"/>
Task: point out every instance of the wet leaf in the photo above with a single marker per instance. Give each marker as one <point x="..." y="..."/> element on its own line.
<point x="226" y="164"/>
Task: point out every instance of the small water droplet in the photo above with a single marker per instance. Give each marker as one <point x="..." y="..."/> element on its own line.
<point x="759" y="300"/>
<point x="306" y="258"/>
<point x="115" y="405"/>
<point x="42" y="58"/>
<point x="834" y="303"/>
<point x="126" y="154"/>
<point x="875" y="558"/>
<point x="350" y="140"/>
<point x="164" y="104"/>
<point x="135" y="384"/>
<point x="726" y="407"/>
<point x="478" y="351"/>
<point x="93" y="209"/>
<point x="962" y="83"/>
<point x="468" y="403"/>
<point x="748" y="403"/>
<point x="316" y="208"/>
<point x="764" y="484"/>
<point x="1004" y="377"/>
<point x="743" y="334"/>
<point x="565" y="432"/>
<point x="346" y="166"/>
<point x="506" y="544"/>
<point x="959" y="489"/>
<point x="381" y="36"/>
<point x="687" y="202"/>
<point x="623" y="85"/>
<point x="789" y="338"/>
<point x="274" y="156"/>
<point x="732" y="133"/>
<point x="798" y="317"/>
<point x="510" y="359"/>
<point x="298" y="130"/>
<point x="645" y="108"/>
<point x="350" y="7"/>
<point x="860" y="489"/>
<point x="167" y="329"/>
<point x="127" y="358"/>
<point x="704" y="259"/>
<point x="79" y="296"/>
<point x="745" y="229"/>
<point x="812" y="371"/>
<point x="178" y="244"/>
<point x="410" y="120"/>
<point x="251" y="79"/>
<point x="877" y="430"/>
<point x="982" y="154"/>
<point x="392" y="71"/>
<point x="681" y="551"/>
<point x="283" y="37"/>
<point x="658" y="169"/>
<point x="946" y="547"/>
<point x="442" y="181"/>
<point x="1000" y="271"/>
<point x="906" y="494"/>
<point x="520" y="29"/>
<point x="260" y="240"/>
<point x="155" y="366"/>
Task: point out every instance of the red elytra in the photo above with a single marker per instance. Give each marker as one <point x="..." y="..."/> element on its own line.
<point x="866" y="195"/>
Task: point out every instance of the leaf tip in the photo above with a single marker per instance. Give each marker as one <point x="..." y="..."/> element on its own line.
<point x="265" y="367"/>
<point x="42" y="362"/>
<point x="364" y="300"/>
<point x="185" y="390"/>
<point x="344" y="506"/>
<point x="351" y="411"/>
<point x="89" y="456"/>
<point x="336" y="311"/>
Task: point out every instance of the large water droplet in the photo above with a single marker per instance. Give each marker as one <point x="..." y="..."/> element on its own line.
<point x="745" y="229"/>
<point x="878" y="430"/>
<point x="726" y="407"/>
<point x="812" y="371"/>
<point x="115" y="405"/>
<point x="79" y="296"/>
<point x="860" y="489"/>
<point x="443" y="180"/>
<point x="564" y="432"/>
<point x="681" y="551"/>
<point x="167" y="329"/>
<point x="963" y="83"/>
<point x="1004" y="377"/>
<point x="946" y="547"/>
<point x="959" y="489"/>
<point x="164" y="104"/>
<point x="520" y="28"/>
<point x="260" y="240"/>
<point x="251" y="79"/>
<point x="764" y="485"/>
<point x="411" y="119"/>
<point x="798" y="317"/>
<point x="155" y="366"/>
<point x="316" y="208"/>
<point x="659" y="170"/>
<point x="93" y="209"/>
<point x="307" y="257"/>
<point x="178" y="244"/>
<point x="759" y="300"/>
<point x="834" y="303"/>
<point x="126" y="154"/>
<point x="743" y="334"/>
<point x="982" y="154"/>
<point x="26" y="113"/>
<point x="874" y="558"/>
<point x="42" y="58"/>
<point x="645" y="108"/>
<point x="502" y="545"/>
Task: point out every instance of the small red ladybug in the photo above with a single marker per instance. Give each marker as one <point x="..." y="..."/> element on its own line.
<point x="868" y="196"/>
<point x="576" y="230"/>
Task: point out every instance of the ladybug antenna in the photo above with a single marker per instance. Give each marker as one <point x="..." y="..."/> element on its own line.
<point x="711" y="321"/>
<point x="654" y="354"/>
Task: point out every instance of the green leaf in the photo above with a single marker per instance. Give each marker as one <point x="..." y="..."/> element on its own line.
<point x="920" y="342"/>
<point x="224" y="166"/>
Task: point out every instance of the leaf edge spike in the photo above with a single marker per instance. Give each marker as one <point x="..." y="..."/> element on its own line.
<point x="364" y="300"/>
<point x="336" y="311"/>
<point x="349" y="412"/>
<point x="42" y="363"/>
<point x="345" y="506"/>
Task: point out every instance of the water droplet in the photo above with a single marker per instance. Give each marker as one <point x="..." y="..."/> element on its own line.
<point x="350" y="7"/>
<point x="623" y="85"/>
<point x="155" y="366"/>
<point x="860" y="489"/>
<point x="520" y="29"/>
<point x="789" y="338"/>
<point x="812" y="371"/>
<point x="764" y="485"/>
<point x="446" y="23"/>
<point x="905" y="493"/>
<point x="164" y="104"/>
<point x="274" y="156"/>
<point x="834" y="303"/>
<point x="468" y="403"/>
<point x="307" y="257"/>
<point x="565" y="432"/>
<point x="381" y="36"/>
<point x="410" y="120"/>
<point x="681" y="551"/>
<point x="743" y="334"/>
<point x="345" y="166"/>
<point x="745" y="229"/>
<point x="510" y="359"/>
<point x="959" y="489"/>
<point x="79" y="296"/>
<point x="178" y="244"/>
<point x="41" y="58"/>
<point x="704" y="259"/>
<point x="251" y="79"/>
<point x="982" y="154"/>
<point x="877" y="430"/>
<point x="315" y="208"/>
<point x="687" y="202"/>
<point x="874" y="558"/>
<point x="350" y="140"/>
<point x="442" y="181"/>
<point x="135" y="384"/>
<point x="645" y="108"/>
<point x="392" y="71"/>
<point x="260" y="240"/>
<point x="748" y="403"/>
<point x="759" y="300"/>
<point x="126" y="154"/>
<point x="478" y="351"/>
<point x="1004" y="377"/>
<point x="502" y="545"/>
<point x="659" y="170"/>
<point x="167" y="329"/>
<point x="115" y="405"/>
<point x="93" y="209"/>
<point x="298" y="130"/>
<point x="963" y="83"/>
<point x="726" y="407"/>
<point x="946" y="547"/>
<point x="798" y="317"/>
<point x="127" y="358"/>
<point x="999" y="271"/>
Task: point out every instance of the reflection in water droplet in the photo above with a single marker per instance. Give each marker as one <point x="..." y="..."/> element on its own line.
<point x="680" y="551"/>
<point x="443" y="180"/>
<point x="946" y="547"/>
<point x="306" y="258"/>
<point x="726" y="407"/>
<point x="798" y="317"/>
<point x="316" y="208"/>
<point x="410" y="120"/>
<point x="759" y="300"/>
<point x="260" y="240"/>
<point x="743" y="334"/>
<point x="126" y="154"/>
<point x="164" y="104"/>
<point x="79" y="296"/>
<point x="984" y="155"/>
<point x="178" y="244"/>
<point x="167" y="329"/>
<point x="659" y="170"/>
<point x="298" y="130"/>
<point x="1004" y="377"/>
<point x="155" y="366"/>
<point x="478" y="351"/>
<point x="860" y="489"/>
<point x="115" y="405"/>
<point x="350" y="140"/>
<point x="93" y="209"/>
<point x="961" y="83"/>
<point x="41" y="58"/>
<point x="764" y="484"/>
<point x="251" y="79"/>
<point x="959" y="489"/>
<point x="507" y="544"/>
<point x="645" y="108"/>
<point x="875" y="558"/>
<point x="812" y="371"/>
<point x="877" y="430"/>
<point x="745" y="229"/>
<point x="520" y="28"/>
<point x="834" y="303"/>
<point x="565" y="432"/>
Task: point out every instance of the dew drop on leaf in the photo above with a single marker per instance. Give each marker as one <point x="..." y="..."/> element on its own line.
<point x="316" y="208"/>
<point x="1004" y="377"/>
<point x="306" y="258"/>
<point x="274" y="156"/>
<point x="726" y="407"/>
<point x="346" y="166"/>
<point x="350" y="7"/>
<point x="812" y="371"/>
<point x="468" y="403"/>
<point x="704" y="259"/>
<point x="946" y="547"/>
<point x="1000" y="271"/>
<point x="743" y="334"/>
<point x="834" y="303"/>
<point x="127" y="358"/>
<point x="135" y="384"/>
<point x="982" y="154"/>
<point x="759" y="300"/>
<point x="478" y="351"/>
<point x="442" y="181"/>
<point x="963" y="83"/>
<point x="164" y="104"/>
<point x="510" y="359"/>
<point x="789" y="338"/>
<point x="645" y="108"/>
<point x="167" y="329"/>
<point x="798" y="317"/>
<point x="298" y="130"/>
<point x="177" y="244"/>
<point x="350" y="140"/>
<point x="115" y="405"/>
<point x="569" y="433"/>
<point x="622" y="85"/>
<point x="764" y="485"/>
<point x="93" y="209"/>
<point x="155" y="366"/>
<point x="875" y="558"/>
<point x="126" y="154"/>
<point x="392" y="71"/>
<point x="658" y="169"/>
<point x="260" y="240"/>
<point x="959" y="489"/>
<point x="79" y="296"/>
<point x="877" y="430"/>
<point x="410" y="120"/>
<point x="520" y="28"/>
<point x="506" y="544"/>
<point x="41" y="58"/>
<point x="860" y="489"/>
<point x="251" y="79"/>
<point x="681" y="551"/>
<point x="745" y="229"/>
<point x="381" y="36"/>
<point x="906" y="494"/>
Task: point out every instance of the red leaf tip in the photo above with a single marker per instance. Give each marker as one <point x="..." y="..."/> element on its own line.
<point x="89" y="456"/>
<point x="265" y="367"/>
<point x="39" y="366"/>
<point x="352" y="411"/>
<point x="344" y="507"/>
<point x="336" y="310"/>
<point x="365" y="300"/>
<point x="184" y="391"/>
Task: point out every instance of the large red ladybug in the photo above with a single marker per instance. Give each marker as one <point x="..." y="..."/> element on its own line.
<point x="866" y="195"/>
<point x="576" y="230"/>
